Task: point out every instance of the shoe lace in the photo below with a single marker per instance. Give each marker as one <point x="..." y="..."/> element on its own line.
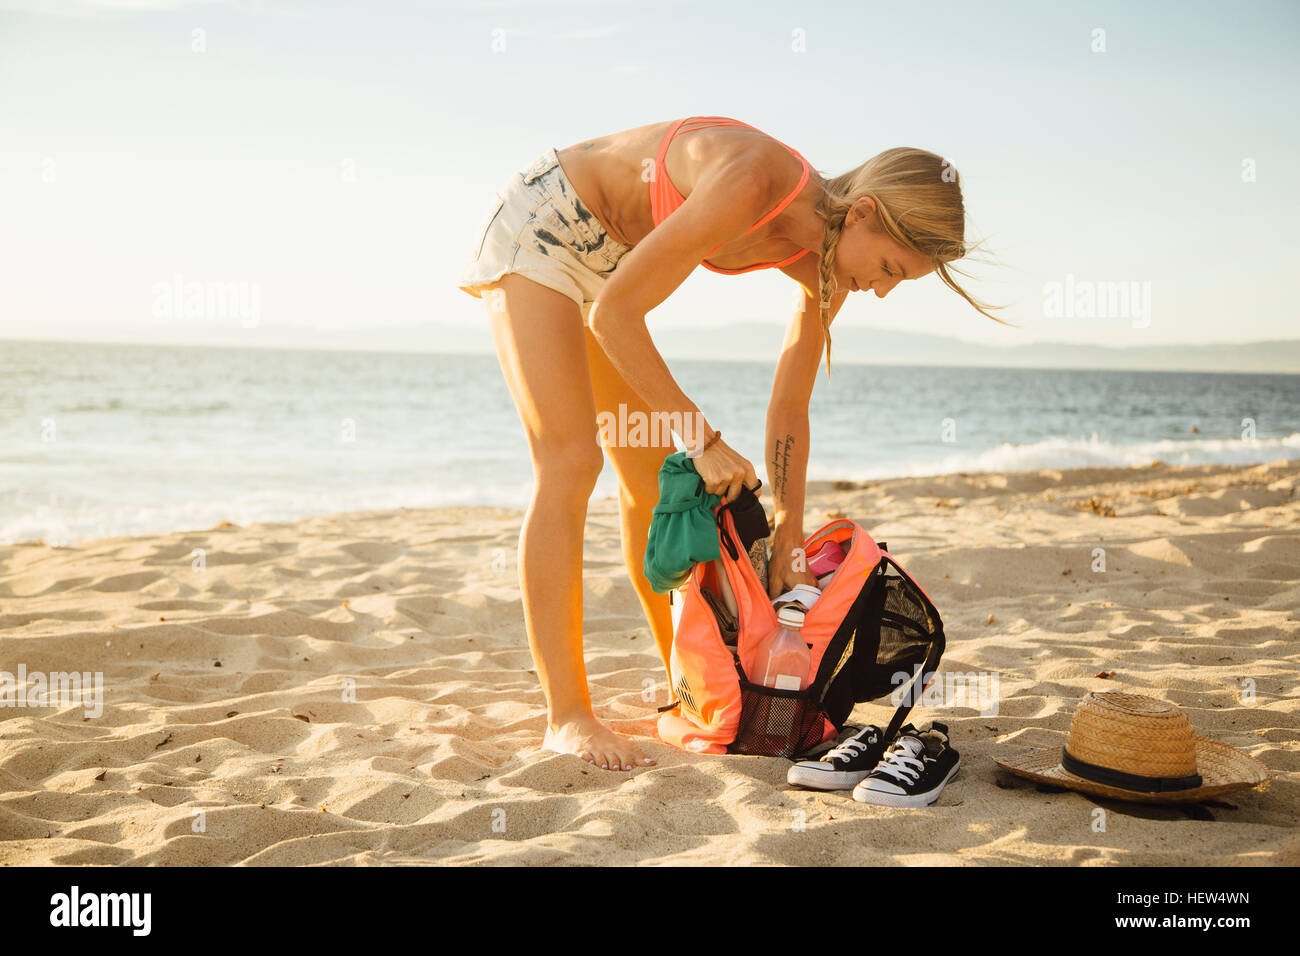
<point x="900" y="764"/>
<point x="850" y="748"/>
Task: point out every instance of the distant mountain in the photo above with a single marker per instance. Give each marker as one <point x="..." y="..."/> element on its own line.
<point x="761" y="342"/>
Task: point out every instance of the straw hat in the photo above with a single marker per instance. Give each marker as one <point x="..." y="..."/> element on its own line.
<point x="1130" y="747"/>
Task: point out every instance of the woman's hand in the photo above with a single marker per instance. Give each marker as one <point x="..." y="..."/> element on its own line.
<point x="781" y="573"/>
<point x="724" y="470"/>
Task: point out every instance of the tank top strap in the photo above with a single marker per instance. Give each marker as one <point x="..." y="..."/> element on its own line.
<point x="665" y="198"/>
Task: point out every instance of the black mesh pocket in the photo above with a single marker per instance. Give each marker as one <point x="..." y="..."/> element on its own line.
<point x="896" y="634"/>
<point x="906" y="631"/>
<point x="777" y="723"/>
<point x="904" y="600"/>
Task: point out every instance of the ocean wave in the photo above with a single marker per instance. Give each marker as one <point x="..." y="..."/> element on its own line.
<point x="1092" y="452"/>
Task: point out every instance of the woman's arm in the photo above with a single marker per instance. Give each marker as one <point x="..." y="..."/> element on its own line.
<point x="788" y="429"/>
<point x="726" y="201"/>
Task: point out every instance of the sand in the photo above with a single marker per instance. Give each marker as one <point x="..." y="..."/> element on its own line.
<point x="357" y="688"/>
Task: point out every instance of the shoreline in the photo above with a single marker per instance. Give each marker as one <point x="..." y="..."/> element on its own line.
<point x="357" y="687"/>
<point x="1027" y="480"/>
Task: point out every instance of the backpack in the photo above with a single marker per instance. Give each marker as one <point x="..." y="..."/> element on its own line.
<point x="872" y="629"/>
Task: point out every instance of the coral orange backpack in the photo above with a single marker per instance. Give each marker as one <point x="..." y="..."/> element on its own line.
<point x="872" y="630"/>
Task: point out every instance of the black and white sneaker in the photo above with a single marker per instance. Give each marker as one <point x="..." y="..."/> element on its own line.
<point x="914" y="770"/>
<point x="844" y="765"/>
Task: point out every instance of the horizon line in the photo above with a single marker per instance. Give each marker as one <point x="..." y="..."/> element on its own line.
<point x="281" y="347"/>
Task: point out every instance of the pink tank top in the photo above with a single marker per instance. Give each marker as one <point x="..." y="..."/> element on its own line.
<point x="664" y="197"/>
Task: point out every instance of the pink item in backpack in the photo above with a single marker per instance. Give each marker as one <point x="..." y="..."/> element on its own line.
<point x="828" y="558"/>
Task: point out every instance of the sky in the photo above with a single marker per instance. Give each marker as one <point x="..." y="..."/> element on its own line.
<point x="333" y="162"/>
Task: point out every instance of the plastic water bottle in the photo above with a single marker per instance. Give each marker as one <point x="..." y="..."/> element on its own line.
<point x="784" y="660"/>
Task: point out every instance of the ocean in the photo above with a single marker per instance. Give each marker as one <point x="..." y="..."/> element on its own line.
<point x="99" y="440"/>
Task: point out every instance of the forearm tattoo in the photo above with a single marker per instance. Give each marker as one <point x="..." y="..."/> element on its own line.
<point x="781" y="465"/>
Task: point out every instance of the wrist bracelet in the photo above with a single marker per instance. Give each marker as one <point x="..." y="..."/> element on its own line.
<point x="709" y="444"/>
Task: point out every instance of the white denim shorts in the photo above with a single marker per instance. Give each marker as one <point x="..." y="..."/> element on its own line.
<point x="538" y="228"/>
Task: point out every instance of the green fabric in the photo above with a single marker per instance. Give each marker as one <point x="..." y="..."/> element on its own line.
<point x="683" y="530"/>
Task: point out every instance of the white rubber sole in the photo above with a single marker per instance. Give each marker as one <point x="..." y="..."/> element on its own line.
<point x="815" y="778"/>
<point x="879" y="798"/>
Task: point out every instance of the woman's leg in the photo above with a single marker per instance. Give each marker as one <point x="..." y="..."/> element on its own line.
<point x="539" y="341"/>
<point x="638" y="492"/>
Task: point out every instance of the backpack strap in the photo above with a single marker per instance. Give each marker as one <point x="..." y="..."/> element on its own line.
<point x="747" y="500"/>
<point x="725" y="538"/>
<point x="914" y="692"/>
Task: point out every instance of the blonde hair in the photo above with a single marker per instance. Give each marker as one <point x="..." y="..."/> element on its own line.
<point x="919" y="206"/>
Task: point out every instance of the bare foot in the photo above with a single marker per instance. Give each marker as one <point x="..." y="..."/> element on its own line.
<point x="591" y="740"/>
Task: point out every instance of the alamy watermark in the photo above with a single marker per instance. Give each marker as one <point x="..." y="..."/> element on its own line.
<point x="53" y="689"/>
<point x="129" y="910"/>
<point x="976" y="689"/>
<point x="638" y="429"/>
<point x="215" y="301"/>
<point x="1098" y="299"/>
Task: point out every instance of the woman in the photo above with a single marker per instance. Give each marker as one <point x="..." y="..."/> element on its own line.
<point x="580" y="246"/>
